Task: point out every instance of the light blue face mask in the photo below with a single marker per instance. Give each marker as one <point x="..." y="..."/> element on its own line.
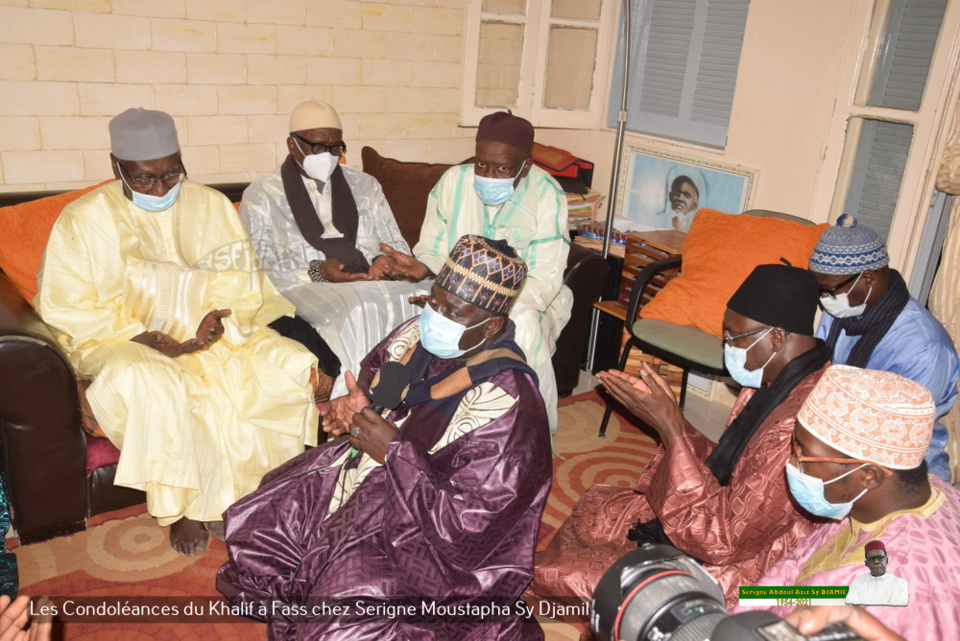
<point x="153" y="203"/>
<point x="441" y="336"/>
<point x="494" y="191"/>
<point x="808" y="490"/>
<point x="735" y="358"/>
<point x="156" y="203"/>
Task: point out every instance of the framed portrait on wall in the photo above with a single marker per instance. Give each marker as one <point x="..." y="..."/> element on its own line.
<point x="665" y="189"/>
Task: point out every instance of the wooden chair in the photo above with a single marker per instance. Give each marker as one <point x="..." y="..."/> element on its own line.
<point x="686" y="347"/>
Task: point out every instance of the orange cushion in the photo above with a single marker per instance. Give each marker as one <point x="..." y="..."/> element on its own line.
<point x="719" y="252"/>
<point x="25" y="229"/>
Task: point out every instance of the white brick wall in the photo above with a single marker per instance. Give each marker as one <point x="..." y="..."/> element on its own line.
<point x="68" y="64"/>
<point x="36" y="26"/>
<point x="72" y="132"/>
<point x="20" y="133"/>
<point x="19" y="62"/>
<point x="229" y="71"/>
<point x="155" y="66"/>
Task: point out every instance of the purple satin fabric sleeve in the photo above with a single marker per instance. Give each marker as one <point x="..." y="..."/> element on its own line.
<point x="461" y="522"/>
<point x="457" y="515"/>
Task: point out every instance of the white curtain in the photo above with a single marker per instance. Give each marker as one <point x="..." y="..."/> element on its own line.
<point x="944" y="300"/>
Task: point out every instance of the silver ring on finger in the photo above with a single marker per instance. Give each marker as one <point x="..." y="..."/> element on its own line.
<point x="355" y="432"/>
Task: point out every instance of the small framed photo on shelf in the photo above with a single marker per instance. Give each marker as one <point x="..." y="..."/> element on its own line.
<point x="664" y="189"/>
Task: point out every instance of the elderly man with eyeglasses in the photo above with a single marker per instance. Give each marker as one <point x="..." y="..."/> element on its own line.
<point x="155" y="293"/>
<point x="726" y="504"/>
<point x="872" y="321"/>
<point x="317" y="225"/>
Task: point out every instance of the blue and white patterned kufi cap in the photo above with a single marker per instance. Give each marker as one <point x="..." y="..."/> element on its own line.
<point x="848" y="248"/>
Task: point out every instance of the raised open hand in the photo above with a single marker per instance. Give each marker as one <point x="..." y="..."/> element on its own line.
<point x="338" y="413"/>
<point x="14" y="616"/>
<point x="649" y="398"/>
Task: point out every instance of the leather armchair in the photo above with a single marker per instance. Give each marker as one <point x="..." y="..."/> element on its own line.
<point x="44" y="448"/>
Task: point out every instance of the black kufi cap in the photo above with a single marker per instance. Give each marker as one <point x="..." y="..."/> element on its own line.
<point x="780" y="296"/>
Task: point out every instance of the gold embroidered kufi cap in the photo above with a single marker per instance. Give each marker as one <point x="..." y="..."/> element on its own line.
<point x="871" y="415"/>
<point x="486" y="273"/>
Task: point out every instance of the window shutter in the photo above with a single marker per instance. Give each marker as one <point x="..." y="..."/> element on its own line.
<point x="663" y="73"/>
<point x="685" y="57"/>
<point x="903" y="58"/>
<point x="719" y="60"/>
<point x="878" y="173"/>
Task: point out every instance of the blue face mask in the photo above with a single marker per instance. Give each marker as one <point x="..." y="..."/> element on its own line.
<point x="153" y="203"/>
<point x="441" y="336"/>
<point x="808" y="490"/>
<point x="494" y="191"/>
<point x="735" y="358"/>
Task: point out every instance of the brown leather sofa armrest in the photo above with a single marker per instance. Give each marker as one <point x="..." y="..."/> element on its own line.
<point x="43" y="446"/>
<point x="12" y="305"/>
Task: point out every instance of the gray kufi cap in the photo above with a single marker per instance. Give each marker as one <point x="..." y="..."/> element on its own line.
<point x="143" y="134"/>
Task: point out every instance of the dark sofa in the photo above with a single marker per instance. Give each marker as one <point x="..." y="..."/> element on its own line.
<point x="55" y="472"/>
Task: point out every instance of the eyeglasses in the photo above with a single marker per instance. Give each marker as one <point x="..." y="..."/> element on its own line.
<point x="149" y="182"/>
<point x="800" y="459"/>
<point x="876" y="558"/>
<point x="336" y="149"/>
<point x="727" y="338"/>
<point x="832" y="291"/>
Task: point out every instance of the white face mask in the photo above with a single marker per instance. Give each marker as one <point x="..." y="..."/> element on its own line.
<point x="318" y="166"/>
<point x="839" y="306"/>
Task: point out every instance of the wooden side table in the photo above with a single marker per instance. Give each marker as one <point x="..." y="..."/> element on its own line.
<point x="643" y="248"/>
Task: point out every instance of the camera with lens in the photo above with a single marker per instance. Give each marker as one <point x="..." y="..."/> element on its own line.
<point x="657" y="593"/>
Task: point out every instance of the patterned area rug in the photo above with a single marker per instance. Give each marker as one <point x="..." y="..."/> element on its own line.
<point x="129" y="555"/>
<point x="584" y="459"/>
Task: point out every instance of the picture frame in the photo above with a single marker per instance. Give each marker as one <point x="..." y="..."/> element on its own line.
<point x="649" y="176"/>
